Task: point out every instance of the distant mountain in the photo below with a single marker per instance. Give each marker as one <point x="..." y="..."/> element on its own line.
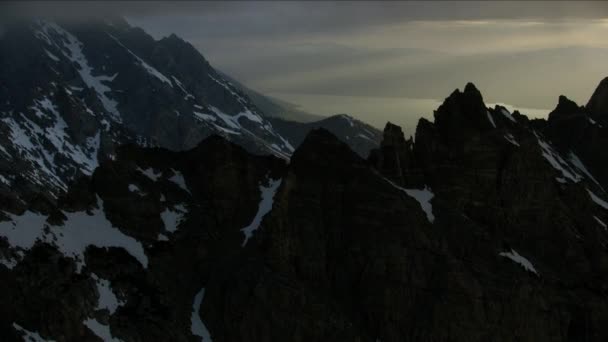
<point x="359" y="136"/>
<point x="274" y="108"/>
<point x="487" y="226"/>
<point x="71" y="93"/>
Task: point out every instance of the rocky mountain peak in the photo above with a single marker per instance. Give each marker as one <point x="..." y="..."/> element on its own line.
<point x="322" y="153"/>
<point x="470" y="88"/>
<point x="598" y="103"/>
<point x="393" y="135"/>
<point x="565" y="107"/>
<point x="462" y="114"/>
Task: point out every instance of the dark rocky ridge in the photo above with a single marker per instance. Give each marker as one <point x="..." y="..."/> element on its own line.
<point x="359" y="136"/>
<point x="348" y="252"/>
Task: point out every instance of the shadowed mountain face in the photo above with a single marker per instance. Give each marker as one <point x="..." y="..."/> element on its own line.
<point x="487" y="226"/>
<point x="70" y="94"/>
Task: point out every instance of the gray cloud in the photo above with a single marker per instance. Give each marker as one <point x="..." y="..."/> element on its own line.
<point x="314" y="16"/>
<point x="524" y="53"/>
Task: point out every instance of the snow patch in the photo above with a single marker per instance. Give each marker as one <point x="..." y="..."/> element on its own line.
<point x="107" y="299"/>
<point x="51" y="56"/>
<point x="423" y="197"/>
<point x="507" y="115"/>
<point x="172" y="218"/>
<point x="100" y="330"/>
<point x="490" y="118"/>
<point x="557" y="161"/>
<point x="178" y="179"/>
<point x="150" y="173"/>
<point x="511" y="139"/>
<point x="601" y="222"/>
<point x="230" y="90"/>
<point x="74" y="53"/>
<point x="348" y="119"/>
<point x="598" y="200"/>
<point x="266" y="202"/>
<point x="147" y="67"/>
<point x="361" y="135"/>
<point x="516" y="257"/>
<point x="79" y="231"/>
<point x="181" y="86"/>
<point x="134" y="188"/>
<point x="574" y="159"/>
<point x="29" y="336"/>
<point x="197" y="326"/>
<point x="204" y="117"/>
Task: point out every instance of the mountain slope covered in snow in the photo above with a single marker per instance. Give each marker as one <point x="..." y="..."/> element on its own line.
<point x="72" y="93"/>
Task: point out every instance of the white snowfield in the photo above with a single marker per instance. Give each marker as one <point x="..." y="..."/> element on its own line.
<point x="265" y="206"/>
<point x="79" y="231"/>
<point x="197" y="326"/>
<point x="516" y="257"/>
<point x="423" y="197"/>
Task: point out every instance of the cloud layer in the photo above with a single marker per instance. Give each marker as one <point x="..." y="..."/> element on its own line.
<point x="523" y="53"/>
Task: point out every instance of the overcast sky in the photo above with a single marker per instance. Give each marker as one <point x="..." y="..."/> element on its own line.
<point x="522" y="53"/>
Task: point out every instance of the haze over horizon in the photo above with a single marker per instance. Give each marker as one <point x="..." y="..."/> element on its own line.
<point x="370" y="59"/>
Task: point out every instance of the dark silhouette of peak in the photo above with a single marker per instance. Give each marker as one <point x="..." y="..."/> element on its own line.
<point x="471" y="88"/>
<point x="598" y="103"/>
<point x="565" y="108"/>
<point x="462" y="113"/>
<point x="393" y="135"/>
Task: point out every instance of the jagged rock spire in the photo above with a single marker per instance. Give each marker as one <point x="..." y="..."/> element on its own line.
<point x="598" y="103"/>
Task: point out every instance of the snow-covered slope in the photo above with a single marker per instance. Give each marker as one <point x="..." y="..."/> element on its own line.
<point x="75" y="92"/>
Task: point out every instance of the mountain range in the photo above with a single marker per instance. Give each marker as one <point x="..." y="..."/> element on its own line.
<point x="145" y="197"/>
<point x="72" y="93"/>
